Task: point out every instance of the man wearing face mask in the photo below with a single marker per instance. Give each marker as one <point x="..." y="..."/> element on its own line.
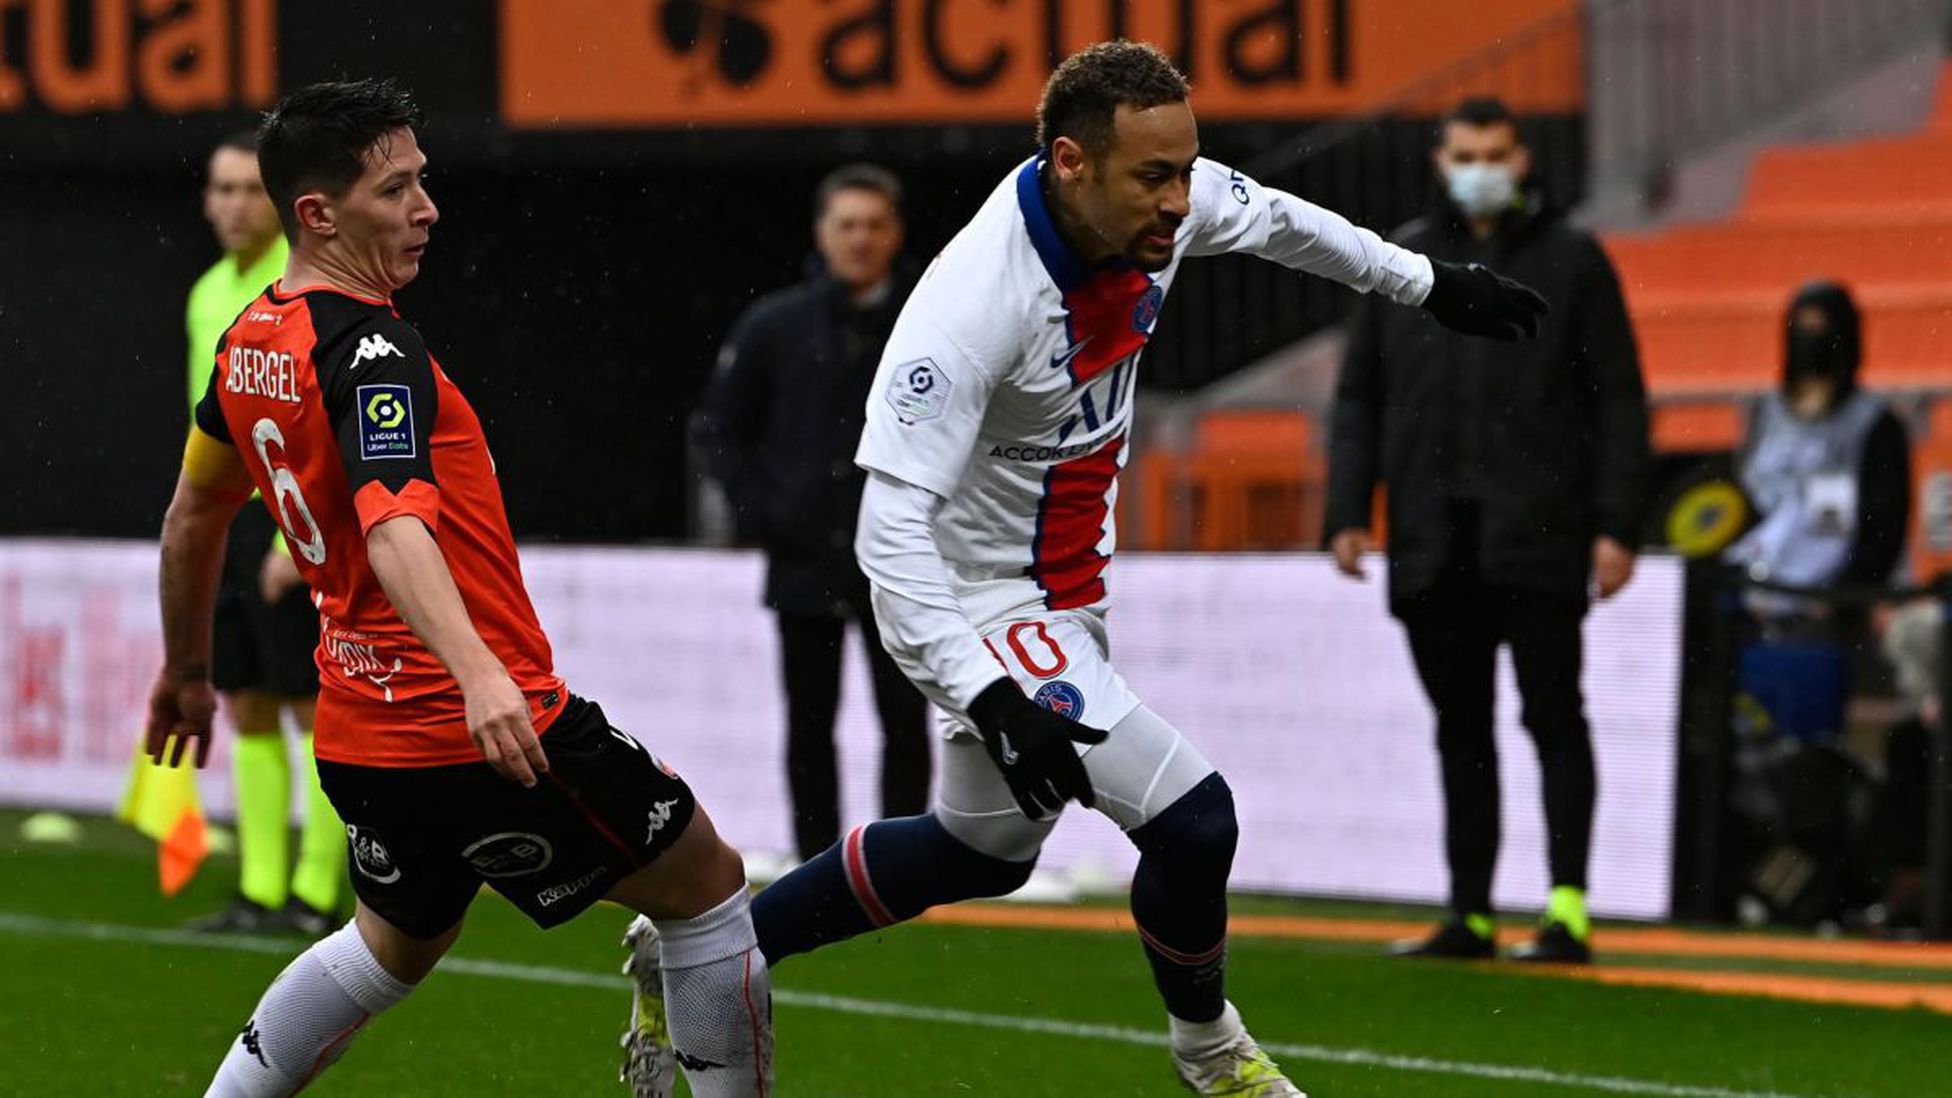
<point x="1826" y="465"/>
<point x="777" y="429"/>
<point x="1513" y="474"/>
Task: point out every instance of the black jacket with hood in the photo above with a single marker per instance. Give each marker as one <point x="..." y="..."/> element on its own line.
<point x="1547" y="437"/>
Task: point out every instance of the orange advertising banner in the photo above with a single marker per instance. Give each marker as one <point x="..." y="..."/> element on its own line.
<point x="670" y="64"/>
<point x="105" y="56"/>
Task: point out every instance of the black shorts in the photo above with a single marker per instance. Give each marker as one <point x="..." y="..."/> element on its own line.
<point x="259" y="645"/>
<point x="424" y="839"/>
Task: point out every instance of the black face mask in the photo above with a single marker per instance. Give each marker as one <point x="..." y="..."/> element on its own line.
<point x="1818" y="354"/>
<point x="1831" y="350"/>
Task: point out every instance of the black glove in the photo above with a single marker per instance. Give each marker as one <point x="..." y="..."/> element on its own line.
<point x="1032" y="747"/>
<point x="1476" y="300"/>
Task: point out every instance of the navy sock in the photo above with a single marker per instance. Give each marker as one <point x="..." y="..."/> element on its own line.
<point x="1179" y="898"/>
<point x="884" y="873"/>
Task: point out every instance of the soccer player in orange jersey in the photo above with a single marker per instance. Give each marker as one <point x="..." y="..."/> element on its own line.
<point x="448" y="744"/>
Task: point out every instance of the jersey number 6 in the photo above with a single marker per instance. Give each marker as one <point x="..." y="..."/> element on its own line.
<point x="284" y="485"/>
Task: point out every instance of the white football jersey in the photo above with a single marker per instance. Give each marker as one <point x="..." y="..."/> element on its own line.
<point x="1006" y="387"/>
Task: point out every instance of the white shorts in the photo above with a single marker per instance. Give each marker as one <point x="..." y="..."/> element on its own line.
<point x="1063" y="662"/>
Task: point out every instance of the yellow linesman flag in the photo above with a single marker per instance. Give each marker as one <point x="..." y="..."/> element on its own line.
<point x="161" y="802"/>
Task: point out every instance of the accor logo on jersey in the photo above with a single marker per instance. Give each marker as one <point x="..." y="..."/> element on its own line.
<point x="1016" y="452"/>
<point x="168" y="57"/>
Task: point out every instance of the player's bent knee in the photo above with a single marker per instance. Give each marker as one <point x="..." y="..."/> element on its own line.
<point x="1201" y="822"/>
<point x="976" y="859"/>
<point x="694" y="875"/>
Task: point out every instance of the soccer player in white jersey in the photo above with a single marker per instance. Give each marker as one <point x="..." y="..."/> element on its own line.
<point x="995" y="432"/>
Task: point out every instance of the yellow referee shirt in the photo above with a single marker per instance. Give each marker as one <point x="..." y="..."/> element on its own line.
<point x="215" y="301"/>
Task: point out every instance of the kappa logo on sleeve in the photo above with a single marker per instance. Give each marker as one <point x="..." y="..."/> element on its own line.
<point x="373" y="347"/>
<point x="918" y="391"/>
<point x="386" y="422"/>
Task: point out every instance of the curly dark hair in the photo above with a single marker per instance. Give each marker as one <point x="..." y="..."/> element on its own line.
<point x="316" y="137"/>
<point x="1085" y="92"/>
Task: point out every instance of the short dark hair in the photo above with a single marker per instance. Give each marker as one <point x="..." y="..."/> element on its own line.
<point x="316" y="137"/>
<point x="857" y="177"/>
<point x="1479" y="110"/>
<point x="241" y="140"/>
<point x="1083" y="96"/>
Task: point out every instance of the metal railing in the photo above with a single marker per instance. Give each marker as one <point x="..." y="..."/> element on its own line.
<point x="1670" y="78"/>
<point x="1661" y="80"/>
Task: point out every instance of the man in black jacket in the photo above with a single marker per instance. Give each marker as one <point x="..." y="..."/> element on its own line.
<point x="777" y="429"/>
<point x="1513" y="475"/>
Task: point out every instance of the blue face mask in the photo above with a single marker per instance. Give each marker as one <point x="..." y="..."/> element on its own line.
<point x="1481" y="189"/>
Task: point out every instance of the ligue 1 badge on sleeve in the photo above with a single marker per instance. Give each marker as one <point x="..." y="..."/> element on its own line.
<point x="918" y="391"/>
<point x="386" y="422"/>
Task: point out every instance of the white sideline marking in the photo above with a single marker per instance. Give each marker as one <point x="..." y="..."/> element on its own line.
<point x="31" y="925"/>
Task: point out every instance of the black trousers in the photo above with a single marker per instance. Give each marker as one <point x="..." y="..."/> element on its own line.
<point x="810" y="660"/>
<point x="1455" y="630"/>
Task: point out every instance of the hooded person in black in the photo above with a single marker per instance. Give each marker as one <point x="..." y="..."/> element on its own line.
<point x="1513" y="476"/>
<point x="1826" y="465"/>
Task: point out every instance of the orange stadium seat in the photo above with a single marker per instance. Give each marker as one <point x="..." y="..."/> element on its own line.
<point x="1707" y="300"/>
<point x="1251" y="479"/>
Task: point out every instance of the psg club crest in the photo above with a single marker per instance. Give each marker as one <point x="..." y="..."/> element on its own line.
<point x="1146" y="312"/>
<point x="1061" y="698"/>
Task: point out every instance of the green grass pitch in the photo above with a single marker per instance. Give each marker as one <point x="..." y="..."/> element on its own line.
<point x="104" y="998"/>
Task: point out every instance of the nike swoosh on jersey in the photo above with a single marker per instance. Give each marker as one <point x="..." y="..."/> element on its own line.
<point x="1062" y="361"/>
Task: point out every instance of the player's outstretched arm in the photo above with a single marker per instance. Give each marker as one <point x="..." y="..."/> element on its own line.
<point x="1236" y="214"/>
<point x="209" y="490"/>
<point x="408" y="563"/>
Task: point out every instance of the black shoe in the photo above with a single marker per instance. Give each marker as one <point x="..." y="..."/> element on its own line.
<point x="1555" y="945"/>
<point x="1453" y="940"/>
<point x="302" y="918"/>
<point x="241" y="917"/>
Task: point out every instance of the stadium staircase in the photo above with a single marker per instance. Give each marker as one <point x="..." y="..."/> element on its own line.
<point x="1707" y="300"/>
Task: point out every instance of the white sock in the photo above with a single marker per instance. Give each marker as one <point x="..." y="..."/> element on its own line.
<point x="1197" y="1040"/>
<point x="307" y="1017"/>
<point x="718" y="998"/>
